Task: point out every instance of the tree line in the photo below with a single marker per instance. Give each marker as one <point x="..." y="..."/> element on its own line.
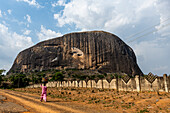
<point x="18" y="80"/>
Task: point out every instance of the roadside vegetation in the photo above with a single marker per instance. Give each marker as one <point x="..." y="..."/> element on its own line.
<point x="18" y="80"/>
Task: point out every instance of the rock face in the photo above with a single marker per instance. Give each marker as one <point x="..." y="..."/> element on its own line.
<point x="95" y="50"/>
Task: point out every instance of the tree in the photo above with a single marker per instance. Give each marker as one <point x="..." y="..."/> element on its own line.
<point x="100" y="76"/>
<point x="58" y="76"/>
<point x="0" y="79"/>
<point x="1" y="71"/>
<point x="92" y="77"/>
<point x="40" y="75"/>
<point x="19" y="80"/>
<point x="83" y="77"/>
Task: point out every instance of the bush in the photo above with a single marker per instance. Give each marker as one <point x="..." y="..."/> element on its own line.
<point x="58" y="76"/>
<point x="19" y="80"/>
<point x="100" y="76"/>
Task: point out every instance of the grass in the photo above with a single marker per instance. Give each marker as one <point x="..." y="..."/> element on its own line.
<point x="126" y="106"/>
<point x="52" y="96"/>
<point x="143" y="111"/>
<point x="104" y="102"/>
<point x="90" y="102"/>
<point x="108" y="105"/>
<point x="75" y="99"/>
<point x="12" y="89"/>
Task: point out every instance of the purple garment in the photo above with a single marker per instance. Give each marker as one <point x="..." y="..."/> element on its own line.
<point x="44" y="93"/>
<point x="44" y="96"/>
<point x="44" y="89"/>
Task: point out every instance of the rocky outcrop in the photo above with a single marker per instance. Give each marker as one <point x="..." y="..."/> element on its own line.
<point x="95" y="50"/>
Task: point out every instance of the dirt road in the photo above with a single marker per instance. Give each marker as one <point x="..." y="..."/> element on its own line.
<point x="84" y="100"/>
<point x="32" y="101"/>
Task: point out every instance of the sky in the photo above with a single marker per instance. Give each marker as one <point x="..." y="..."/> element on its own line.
<point x="142" y="24"/>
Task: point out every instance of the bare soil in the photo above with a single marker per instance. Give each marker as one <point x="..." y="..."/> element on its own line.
<point x="93" y="100"/>
<point x="9" y="106"/>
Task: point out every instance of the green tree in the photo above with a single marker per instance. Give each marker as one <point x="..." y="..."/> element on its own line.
<point x="40" y="75"/>
<point x="35" y="78"/>
<point x="92" y="77"/>
<point x="1" y="79"/>
<point x="100" y="76"/>
<point x="19" y="80"/>
<point x="58" y="76"/>
<point x="117" y="76"/>
<point x="1" y="76"/>
<point x="83" y="77"/>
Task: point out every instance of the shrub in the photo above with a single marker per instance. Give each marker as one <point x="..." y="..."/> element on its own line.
<point x="58" y="76"/>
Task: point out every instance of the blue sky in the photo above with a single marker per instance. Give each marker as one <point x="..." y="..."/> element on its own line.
<point x="142" y="24"/>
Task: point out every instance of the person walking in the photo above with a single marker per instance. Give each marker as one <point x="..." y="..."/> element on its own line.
<point x="44" y="92"/>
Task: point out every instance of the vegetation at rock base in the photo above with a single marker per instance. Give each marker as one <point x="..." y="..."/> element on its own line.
<point x="16" y="80"/>
<point x="58" y="76"/>
<point x="19" y="80"/>
<point x="1" y="75"/>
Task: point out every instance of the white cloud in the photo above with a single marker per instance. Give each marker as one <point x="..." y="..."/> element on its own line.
<point x="27" y="32"/>
<point x="9" y="11"/>
<point x="100" y="14"/>
<point x="145" y="5"/>
<point x="11" y="43"/>
<point x="59" y="3"/>
<point x="13" y="40"/>
<point x="28" y="18"/>
<point x="163" y="9"/>
<point x="56" y="16"/>
<point x="0" y="13"/>
<point x="46" y="34"/>
<point x="153" y="55"/>
<point x="31" y="2"/>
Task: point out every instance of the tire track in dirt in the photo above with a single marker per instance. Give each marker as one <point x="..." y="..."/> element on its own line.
<point x="35" y="103"/>
<point x="74" y="105"/>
